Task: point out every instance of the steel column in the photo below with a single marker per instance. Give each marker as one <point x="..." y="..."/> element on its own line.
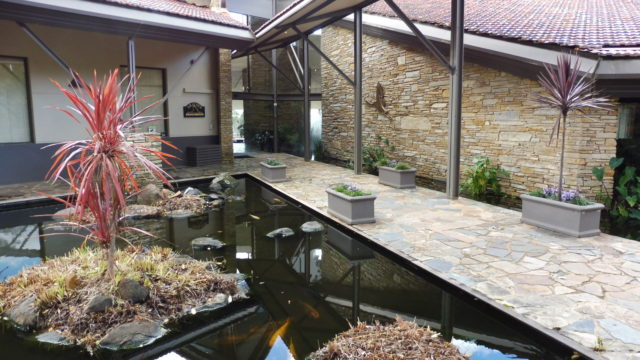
<point x="131" y="57"/>
<point x="357" y="79"/>
<point x="274" y="89"/>
<point x="307" y="104"/>
<point x="455" y="97"/>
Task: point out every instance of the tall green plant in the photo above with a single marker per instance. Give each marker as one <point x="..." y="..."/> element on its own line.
<point x="625" y="201"/>
<point x="568" y="90"/>
<point x="101" y="170"/>
<point x="483" y="178"/>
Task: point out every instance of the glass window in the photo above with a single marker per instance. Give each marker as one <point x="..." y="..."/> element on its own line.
<point x="14" y="101"/>
<point x="151" y="84"/>
<point x="629" y="120"/>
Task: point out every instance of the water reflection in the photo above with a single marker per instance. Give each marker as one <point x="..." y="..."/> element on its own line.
<point x="307" y="285"/>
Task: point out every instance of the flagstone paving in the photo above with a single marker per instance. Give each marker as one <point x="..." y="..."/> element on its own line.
<point x="585" y="289"/>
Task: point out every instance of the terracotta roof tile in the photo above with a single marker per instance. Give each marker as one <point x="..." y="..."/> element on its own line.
<point x="604" y="27"/>
<point x="182" y="9"/>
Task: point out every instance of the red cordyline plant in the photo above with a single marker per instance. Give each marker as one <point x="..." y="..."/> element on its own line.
<point x="101" y="170"/>
<point x="568" y="90"/>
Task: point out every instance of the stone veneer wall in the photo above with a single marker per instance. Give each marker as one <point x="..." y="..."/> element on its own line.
<point x="225" y="97"/>
<point x="499" y="119"/>
<point x="144" y="177"/>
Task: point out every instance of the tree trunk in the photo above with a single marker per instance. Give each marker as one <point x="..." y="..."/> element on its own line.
<point x="564" y="132"/>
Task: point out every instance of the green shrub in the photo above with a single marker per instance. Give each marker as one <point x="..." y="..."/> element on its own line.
<point x="402" y="166"/>
<point x="483" y="178"/>
<point x="625" y="201"/>
<point x="273" y="162"/>
<point x="350" y="190"/>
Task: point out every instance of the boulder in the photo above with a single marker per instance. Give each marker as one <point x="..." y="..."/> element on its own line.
<point x="192" y="191"/>
<point x="182" y="259"/>
<point x="132" y="335"/>
<point x="180" y="213"/>
<point x="53" y="337"/>
<point x="223" y="182"/>
<point x="99" y="303"/>
<point x="131" y="290"/>
<point x="166" y="193"/>
<point x="280" y="233"/>
<point x="311" y="227"/>
<point x="206" y="243"/>
<point x="149" y="195"/>
<point x="137" y="212"/>
<point x="25" y="314"/>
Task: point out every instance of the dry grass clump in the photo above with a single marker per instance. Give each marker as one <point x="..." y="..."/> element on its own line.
<point x="191" y="203"/>
<point x="65" y="285"/>
<point x="400" y="340"/>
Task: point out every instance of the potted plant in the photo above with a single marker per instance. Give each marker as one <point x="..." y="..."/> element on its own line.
<point x="273" y="170"/>
<point x="553" y="208"/>
<point x="350" y="204"/>
<point x="397" y="174"/>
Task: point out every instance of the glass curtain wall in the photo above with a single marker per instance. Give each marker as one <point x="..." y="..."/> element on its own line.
<point x="255" y="106"/>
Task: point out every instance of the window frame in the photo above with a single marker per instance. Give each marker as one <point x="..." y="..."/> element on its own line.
<point x="165" y="105"/>
<point x="30" y="120"/>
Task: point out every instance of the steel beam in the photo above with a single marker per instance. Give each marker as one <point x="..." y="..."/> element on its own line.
<point x="131" y="57"/>
<point x="357" y="91"/>
<point x="307" y="104"/>
<point x="425" y="42"/>
<point x="455" y="97"/>
<point x="326" y="58"/>
<point x="57" y="59"/>
<point x="293" y="65"/>
<point x="280" y="71"/>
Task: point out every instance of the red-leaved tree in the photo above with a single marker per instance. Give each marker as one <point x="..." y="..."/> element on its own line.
<point x="101" y="169"/>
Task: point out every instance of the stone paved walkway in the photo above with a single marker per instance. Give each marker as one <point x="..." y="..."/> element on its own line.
<point x="584" y="289"/>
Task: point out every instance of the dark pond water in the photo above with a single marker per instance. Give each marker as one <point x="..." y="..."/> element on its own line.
<point x="305" y="288"/>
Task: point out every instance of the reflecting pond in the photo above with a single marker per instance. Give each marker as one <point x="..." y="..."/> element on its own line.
<point x="305" y="287"/>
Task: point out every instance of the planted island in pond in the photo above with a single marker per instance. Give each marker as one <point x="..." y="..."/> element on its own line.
<point x="567" y="90"/>
<point x="397" y="174"/>
<point x="351" y="204"/>
<point x="97" y="296"/>
<point x="273" y="170"/>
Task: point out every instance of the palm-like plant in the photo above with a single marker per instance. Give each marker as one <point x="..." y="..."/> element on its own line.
<point x="568" y="90"/>
<point x="101" y="170"/>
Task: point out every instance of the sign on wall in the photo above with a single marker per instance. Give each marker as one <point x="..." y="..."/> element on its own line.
<point x="193" y="110"/>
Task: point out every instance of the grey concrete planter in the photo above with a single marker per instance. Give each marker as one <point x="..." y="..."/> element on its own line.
<point x="565" y="218"/>
<point x="351" y="209"/>
<point x="274" y="174"/>
<point x="401" y="179"/>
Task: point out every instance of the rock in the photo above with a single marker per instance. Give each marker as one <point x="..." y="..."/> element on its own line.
<point x="223" y="182"/>
<point x="280" y="233"/>
<point x="182" y="259"/>
<point x="311" y="227"/>
<point x="131" y="290"/>
<point x="25" y="314"/>
<point x="214" y="196"/>
<point x="166" y="193"/>
<point x="137" y="212"/>
<point x="180" y="213"/>
<point x="99" y="303"/>
<point x="192" y="191"/>
<point x="132" y="335"/>
<point x="53" y="337"/>
<point x="218" y="301"/>
<point x="206" y="243"/>
<point x="149" y="195"/>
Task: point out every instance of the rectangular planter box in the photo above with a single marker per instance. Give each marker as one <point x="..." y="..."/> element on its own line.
<point x="401" y="179"/>
<point x="565" y="218"/>
<point x="274" y="174"/>
<point x="351" y="209"/>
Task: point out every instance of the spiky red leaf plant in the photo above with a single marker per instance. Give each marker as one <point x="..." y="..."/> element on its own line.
<point x="568" y="90"/>
<point x="101" y="169"/>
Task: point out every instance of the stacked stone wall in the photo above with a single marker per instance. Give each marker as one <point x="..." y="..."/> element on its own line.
<point x="225" y="96"/>
<point x="500" y="120"/>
